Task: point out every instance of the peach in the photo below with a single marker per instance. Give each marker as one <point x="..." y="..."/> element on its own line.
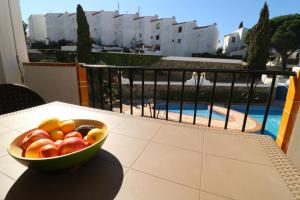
<point x="33" y="151"/>
<point x="73" y="134"/>
<point x="57" y="135"/>
<point x="70" y="145"/>
<point x="49" y="150"/>
<point x="57" y="143"/>
<point x="34" y="136"/>
<point x="67" y="126"/>
<point x="95" y="135"/>
<point x="49" y="124"/>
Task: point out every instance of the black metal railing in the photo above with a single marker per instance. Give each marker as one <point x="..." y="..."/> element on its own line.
<point x="107" y="91"/>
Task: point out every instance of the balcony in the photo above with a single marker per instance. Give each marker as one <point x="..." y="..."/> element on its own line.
<point x="175" y="133"/>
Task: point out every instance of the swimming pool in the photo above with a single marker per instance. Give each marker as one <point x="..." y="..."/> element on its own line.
<point x="202" y="111"/>
<point x="256" y="112"/>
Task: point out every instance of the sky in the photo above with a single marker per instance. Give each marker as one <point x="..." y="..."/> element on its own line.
<point x="226" y="13"/>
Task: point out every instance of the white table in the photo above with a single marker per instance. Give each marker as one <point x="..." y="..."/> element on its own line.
<point x="145" y="158"/>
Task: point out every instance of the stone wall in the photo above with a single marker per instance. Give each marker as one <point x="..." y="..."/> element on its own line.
<point x="221" y="95"/>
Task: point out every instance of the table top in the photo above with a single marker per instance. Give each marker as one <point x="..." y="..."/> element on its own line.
<point x="145" y="158"/>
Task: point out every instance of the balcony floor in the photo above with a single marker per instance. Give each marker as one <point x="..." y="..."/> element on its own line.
<point x="157" y="160"/>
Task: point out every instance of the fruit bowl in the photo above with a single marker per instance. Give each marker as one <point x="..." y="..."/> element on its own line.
<point x="58" y="162"/>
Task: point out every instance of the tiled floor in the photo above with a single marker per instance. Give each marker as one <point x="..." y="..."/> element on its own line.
<point x="159" y="160"/>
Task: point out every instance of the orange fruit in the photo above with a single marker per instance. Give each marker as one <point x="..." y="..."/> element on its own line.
<point x="49" y="124"/>
<point x="67" y="126"/>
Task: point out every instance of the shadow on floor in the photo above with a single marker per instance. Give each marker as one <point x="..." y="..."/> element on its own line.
<point x="97" y="179"/>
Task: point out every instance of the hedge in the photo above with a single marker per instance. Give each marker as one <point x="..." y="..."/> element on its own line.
<point x="119" y="59"/>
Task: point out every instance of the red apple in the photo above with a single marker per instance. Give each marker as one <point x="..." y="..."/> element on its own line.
<point x="70" y="145"/>
<point x="34" y="136"/>
<point x="73" y="134"/>
<point x="49" y="150"/>
<point x="33" y="151"/>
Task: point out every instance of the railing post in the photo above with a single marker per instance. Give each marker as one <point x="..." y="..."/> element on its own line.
<point x="248" y="103"/>
<point x="82" y="85"/>
<point x="120" y="90"/>
<point x="91" y="83"/>
<point x="290" y="111"/>
<point x="263" y="126"/>
<point x="182" y="96"/>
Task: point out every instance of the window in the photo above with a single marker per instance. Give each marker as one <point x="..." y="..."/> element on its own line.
<point x="173" y="41"/>
<point x="140" y="35"/>
<point x="179" y="41"/>
<point x="158" y="26"/>
<point x="179" y="29"/>
<point x="157" y="37"/>
<point x="233" y="39"/>
<point x="151" y="37"/>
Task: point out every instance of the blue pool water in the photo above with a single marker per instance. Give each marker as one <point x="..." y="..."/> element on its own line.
<point x="256" y="112"/>
<point x="188" y="109"/>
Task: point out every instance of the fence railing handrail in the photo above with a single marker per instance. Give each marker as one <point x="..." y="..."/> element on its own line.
<point x="195" y="69"/>
<point x="252" y="75"/>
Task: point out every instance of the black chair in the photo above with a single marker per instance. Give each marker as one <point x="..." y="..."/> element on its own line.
<point x="14" y="97"/>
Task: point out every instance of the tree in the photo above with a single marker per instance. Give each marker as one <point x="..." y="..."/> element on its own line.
<point x="25" y="28"/>
<point x="241" y="25"/>
<point x="285" y="35"/>
<point x="259" y="41"/>
<point x="84" y="42"/>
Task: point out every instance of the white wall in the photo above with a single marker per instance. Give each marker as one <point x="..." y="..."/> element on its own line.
<point x="293" y="150"/>
<point x="37" y="28"/>
<point x="12" y="41"/>
<point x="70" y="27"/>
<point x="183" y="41"/>
<point x="104" y="27"/>
<point x="143" y="28"/>
<point x="53" y="83"/>
<point x="163" y="28"/>
<point x="206" y="39"/>
<point x="294" y="146"/>
<point x="124" y="26"/>
<point x="230" y="45"/>
<point x="55" y="26"/>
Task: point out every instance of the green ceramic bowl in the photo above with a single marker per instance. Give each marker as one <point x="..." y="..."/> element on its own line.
<point x="59" y="162"/>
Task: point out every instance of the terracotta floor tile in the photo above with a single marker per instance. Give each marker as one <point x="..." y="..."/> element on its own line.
<point x="11" y="167"/>
<point x="183" y="137"/>
<point x="137" y="185"/>
<point x="242" y="180"/>
<point x="236" y="147"/>
<point x="125" y="148"/>
<point x="178" y="165"/>
<point x="137" y="128"/>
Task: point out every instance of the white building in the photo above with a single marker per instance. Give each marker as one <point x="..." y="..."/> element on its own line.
<point x="37" y="28"/>
<point x="143" y="28"/>
<point x="55" y="26"/>
<point x="70" y="27"/>
<point x="108" y="28"/>
<point x="182" y="39"/>
<point x="206" y="39"/>
<point x="103" y="28"/>
<point x="234" y="42"/>
<point x="161" y="34"/>
<point x="186" y="38"/>
<point x="124" y="30"/>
